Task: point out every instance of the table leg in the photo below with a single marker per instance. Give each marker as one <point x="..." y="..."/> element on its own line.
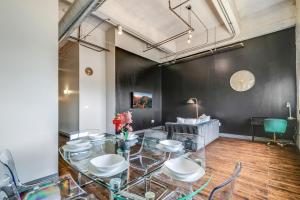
<point x="253" y="133"/>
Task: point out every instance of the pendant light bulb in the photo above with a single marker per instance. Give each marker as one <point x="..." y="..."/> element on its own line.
<point x="190" y="36"/>
<point x="190" y="31"/>
<point x="189" y="40"/>
<point x="120" y="30"/>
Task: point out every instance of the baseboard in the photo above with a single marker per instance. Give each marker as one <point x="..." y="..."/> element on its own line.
<point x="52" y="177"/>
<point x="249" y="138"/>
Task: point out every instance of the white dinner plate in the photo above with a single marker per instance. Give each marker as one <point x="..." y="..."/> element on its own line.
<point x="168" y="149"/>
<point x="170" y="143"/>
<point x="96" y="136"/>
<point x="71" y="149"/>
<point x="107" y="162"/>
<point x="189" y="179"/>
<point x="182" y="166"/>
<point x="109" y="173"/>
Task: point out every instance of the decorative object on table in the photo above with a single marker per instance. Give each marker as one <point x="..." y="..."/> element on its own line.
<point x="275" y="126"/>
<point x="194" y="100"/>
<point x="89" y="71"/>
<point x="123" y="122"/>
<point x="288" y="105"/>
<point x="242" y="80"/>
<point x="141" y="100"/>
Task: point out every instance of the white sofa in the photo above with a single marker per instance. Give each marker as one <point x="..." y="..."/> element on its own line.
<point x="209" y="129"/>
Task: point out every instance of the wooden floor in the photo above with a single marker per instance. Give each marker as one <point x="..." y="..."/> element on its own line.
<point x="267" y="173"/>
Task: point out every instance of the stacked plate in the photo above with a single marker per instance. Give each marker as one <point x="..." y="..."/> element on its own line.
<point x="183" y="169"/>
<point x="96" y="136"/>
<point x="77" y="146"/>
<point x="170" y="145"/>
<point x="107" y="165"/>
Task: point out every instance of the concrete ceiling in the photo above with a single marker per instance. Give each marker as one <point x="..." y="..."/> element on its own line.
<point x="152" y="20"/>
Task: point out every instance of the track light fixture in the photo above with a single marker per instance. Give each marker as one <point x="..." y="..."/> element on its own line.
<point x="189" y="40"/>
<point x="120" y="30"/>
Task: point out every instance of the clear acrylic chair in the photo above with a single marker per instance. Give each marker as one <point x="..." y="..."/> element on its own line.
<point x="194" y="146"/>
<point x="9" y="168"/>
<point x="148" y="155"/>
<point x="8" y="188"/>
<point x="165" y="184"/>
<point x="224" y="191"/>
<point x="8" y="164"/>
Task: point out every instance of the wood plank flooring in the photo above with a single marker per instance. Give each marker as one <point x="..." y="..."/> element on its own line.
<point x="267" y="173"/>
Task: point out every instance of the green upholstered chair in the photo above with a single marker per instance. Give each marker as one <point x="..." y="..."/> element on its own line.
<point x="276" y="127"/>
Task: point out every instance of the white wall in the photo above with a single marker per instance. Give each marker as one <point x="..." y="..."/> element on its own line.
<point x="28" y="85"/>
<point x="92" y="90"/>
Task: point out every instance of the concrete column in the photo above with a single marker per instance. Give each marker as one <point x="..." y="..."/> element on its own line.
<point x="110" y="79"/>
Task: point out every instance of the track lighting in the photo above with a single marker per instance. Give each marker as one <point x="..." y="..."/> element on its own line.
<point x="120" y="30"/>
<point x="189" y="40"/>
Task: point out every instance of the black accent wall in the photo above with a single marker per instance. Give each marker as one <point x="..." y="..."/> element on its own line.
<point x="135" y="73"/>
<point x="271" y="58"/>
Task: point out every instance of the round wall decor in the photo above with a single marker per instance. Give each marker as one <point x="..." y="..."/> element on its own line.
<point x="242" y="80"/>
<point x="89" y="71"/>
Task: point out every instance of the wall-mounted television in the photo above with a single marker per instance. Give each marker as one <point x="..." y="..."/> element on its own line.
<point x="141" y="100"/>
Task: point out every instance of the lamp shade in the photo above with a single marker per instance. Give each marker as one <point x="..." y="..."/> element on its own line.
<point x="191" y="101"/>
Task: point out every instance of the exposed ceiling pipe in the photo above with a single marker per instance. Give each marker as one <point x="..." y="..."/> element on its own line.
<point x="203" y="54"/>
<point x="232" y="35"/>
<point x="188" y="30"/>
<point x="77" y="12"/>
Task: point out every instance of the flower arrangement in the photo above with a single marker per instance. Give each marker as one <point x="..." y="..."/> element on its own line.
<point x="123" y="122"/>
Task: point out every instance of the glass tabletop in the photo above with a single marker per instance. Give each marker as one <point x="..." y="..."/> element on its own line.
<point x="144" y="166"/>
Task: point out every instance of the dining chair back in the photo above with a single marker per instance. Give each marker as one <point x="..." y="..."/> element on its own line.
<point x="8" y="164"/>
<point x="148" y="155"/>
<point x="8" y="189"/>
<point x="224" y="191"/>
<point x="194" y="146"/>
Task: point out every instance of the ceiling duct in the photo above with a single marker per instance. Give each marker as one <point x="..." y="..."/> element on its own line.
<point x="204" y="54"/>
<point x="77" y="12"/>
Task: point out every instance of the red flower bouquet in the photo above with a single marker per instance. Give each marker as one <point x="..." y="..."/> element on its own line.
<point x="122" y="122"/>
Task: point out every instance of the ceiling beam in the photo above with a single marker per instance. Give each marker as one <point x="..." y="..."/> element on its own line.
<point x="231" y="11"/>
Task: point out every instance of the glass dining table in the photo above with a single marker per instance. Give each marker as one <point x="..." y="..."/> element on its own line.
<point x="144" y="174"/>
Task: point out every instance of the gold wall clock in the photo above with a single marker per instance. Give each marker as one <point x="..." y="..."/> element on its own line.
<point x="88" y="71"/>
<point x="242" y="81"/>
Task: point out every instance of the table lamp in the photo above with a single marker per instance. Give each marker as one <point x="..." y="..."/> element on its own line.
<point x="193" y="100"/>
